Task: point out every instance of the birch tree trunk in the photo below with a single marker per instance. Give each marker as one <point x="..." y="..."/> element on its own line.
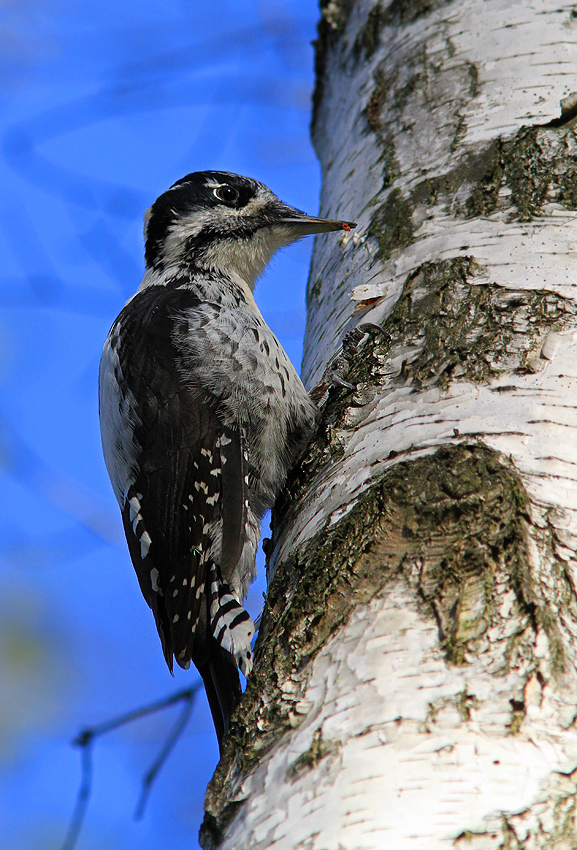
<point x="415" y="683"/>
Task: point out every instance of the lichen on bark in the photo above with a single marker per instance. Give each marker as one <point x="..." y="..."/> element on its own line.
<point x="518" y="174"/>
<point x="373" y="114"/>
<point x="395" y="13"/>
<point x="333" y="20"/>
<point x="538" y="165"/>
<point x="392" y="224"/>
<point x="369" y="37"/>
<point x="408" y="11"/>
<point x="446" y="327"/>
<point x="455" y="329"/>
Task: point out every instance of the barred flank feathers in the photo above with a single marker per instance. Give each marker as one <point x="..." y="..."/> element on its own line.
<point x="230" y="624"/>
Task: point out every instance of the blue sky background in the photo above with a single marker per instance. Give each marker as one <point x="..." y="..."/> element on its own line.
<point x="102" y="106"/>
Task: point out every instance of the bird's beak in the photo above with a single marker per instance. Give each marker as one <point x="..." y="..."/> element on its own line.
<point x="303" y="225"/>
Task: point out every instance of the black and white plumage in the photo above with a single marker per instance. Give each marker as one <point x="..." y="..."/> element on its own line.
<point x="202" y="414"/>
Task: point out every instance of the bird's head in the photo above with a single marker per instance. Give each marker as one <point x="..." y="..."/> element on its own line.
<point x="225" y="223"/>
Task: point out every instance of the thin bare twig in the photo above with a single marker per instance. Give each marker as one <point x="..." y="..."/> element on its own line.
<point x="158" y="763"/>
<point x="83" y="796"/>
<point x="85" y="740"/>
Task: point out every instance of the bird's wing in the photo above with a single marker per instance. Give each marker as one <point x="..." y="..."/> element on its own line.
<point x="185" y="504"/>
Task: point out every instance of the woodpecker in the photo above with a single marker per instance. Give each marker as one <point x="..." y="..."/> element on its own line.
<point x="202" y="415"/>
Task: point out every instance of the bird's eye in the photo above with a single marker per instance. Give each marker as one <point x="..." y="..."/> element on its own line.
<point x="226" y="194"/>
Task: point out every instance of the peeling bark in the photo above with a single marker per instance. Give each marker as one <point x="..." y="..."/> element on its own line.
<point x="415" y="681"/>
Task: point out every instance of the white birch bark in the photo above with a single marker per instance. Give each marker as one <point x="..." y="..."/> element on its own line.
<point x="415" y="684"/>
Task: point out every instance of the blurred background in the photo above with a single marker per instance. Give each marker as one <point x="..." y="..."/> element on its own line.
<point x="103" y="106"/>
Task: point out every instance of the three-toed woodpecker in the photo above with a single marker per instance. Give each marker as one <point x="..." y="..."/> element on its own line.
<point x="202" y="415"/>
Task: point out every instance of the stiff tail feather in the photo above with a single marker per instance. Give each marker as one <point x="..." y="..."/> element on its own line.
<point x="230" y="624"/>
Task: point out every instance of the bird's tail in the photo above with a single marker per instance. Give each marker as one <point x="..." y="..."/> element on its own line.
<point x="222" y="685"/>
<point x="231" y="626"/>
